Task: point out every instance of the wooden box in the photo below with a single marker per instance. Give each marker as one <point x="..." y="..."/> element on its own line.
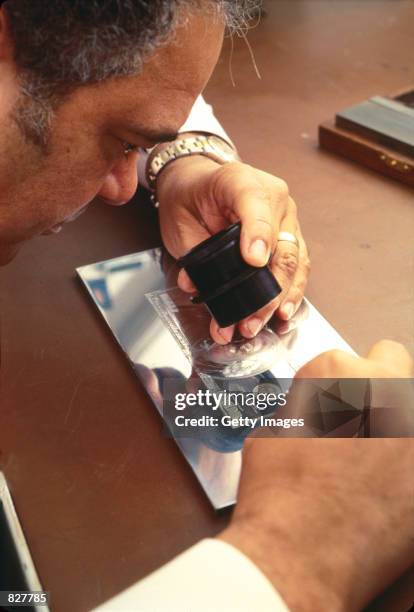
<point x="378" y="133"/>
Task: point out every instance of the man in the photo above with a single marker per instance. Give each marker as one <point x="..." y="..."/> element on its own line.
<point x="83" y="86"/>
<point x="76" y="104"/>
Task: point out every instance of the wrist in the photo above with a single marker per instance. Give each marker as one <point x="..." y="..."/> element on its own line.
<point x="306" y="580"/>
<point x="187" y="144"/>
<point x="182" y="174"/>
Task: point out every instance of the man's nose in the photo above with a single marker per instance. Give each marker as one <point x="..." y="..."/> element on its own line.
<point x="122" y="181"/>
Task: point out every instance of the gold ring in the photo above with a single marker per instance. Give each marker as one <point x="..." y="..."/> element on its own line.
<point x="287" y="237"/>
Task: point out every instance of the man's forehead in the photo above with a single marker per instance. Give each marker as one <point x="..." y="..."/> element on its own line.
<point x="186" y="62"/>
<point x="171" y="80"/>
<point x="157" y="112"/>
<point x="158" y="100"/>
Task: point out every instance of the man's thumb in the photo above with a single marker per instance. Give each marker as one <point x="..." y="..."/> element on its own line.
<point x="394" y="356"/>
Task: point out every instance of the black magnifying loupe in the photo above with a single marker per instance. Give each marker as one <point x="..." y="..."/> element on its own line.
<point x="229" y="287"/>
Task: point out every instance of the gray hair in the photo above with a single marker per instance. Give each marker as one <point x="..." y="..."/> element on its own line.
<point x="63" y="44"/>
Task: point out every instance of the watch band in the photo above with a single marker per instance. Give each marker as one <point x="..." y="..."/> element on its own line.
<point x="208" y="145"/>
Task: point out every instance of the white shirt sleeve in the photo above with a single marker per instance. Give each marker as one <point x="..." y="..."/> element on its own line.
<point x="200" y="119"/>
<point x="212" y="576"/>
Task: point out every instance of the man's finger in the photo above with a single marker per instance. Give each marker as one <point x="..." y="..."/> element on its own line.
<point x="394" y="359"/>
<point x="285" y="260"/>
<point x="286" y="255"/>
<point x="254" y="209"/>
<point x="335" y="364"/>
<point x="221" y="335"/>
<point x="294" y="295"/>
<point x="290" y="271"/>
<point x="185" y="283"/>
<point x="394" y="356"/>
<point x="260" y="209"/>
<point x="259" y="202"/>
<point x="284" y="265"/>
<point x="251" y="326"/>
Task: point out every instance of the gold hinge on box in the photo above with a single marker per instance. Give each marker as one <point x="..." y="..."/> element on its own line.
<point x="396" y="164"/>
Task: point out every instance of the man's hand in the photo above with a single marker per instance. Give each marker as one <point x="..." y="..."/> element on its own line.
<point x="330" y="521"/>
<point x="198" y="198"/>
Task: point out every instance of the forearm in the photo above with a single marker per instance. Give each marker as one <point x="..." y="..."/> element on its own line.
<point x="307" y="580"/>
<point x="331" y="534"/>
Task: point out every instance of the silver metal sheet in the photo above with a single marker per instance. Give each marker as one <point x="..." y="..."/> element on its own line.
<point x="164" y="334"/>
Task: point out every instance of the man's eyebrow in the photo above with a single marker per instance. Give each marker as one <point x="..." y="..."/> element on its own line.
<point x="155" y="136"/>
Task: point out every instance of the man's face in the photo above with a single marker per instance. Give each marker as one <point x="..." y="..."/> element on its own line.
<point x="40" y="192"/>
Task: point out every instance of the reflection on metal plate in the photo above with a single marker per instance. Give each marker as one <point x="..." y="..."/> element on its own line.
<point x="165" y="335"/>
<point x="18" y="573"/>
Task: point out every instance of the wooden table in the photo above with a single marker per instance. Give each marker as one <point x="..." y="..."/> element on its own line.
<point x="103" y="498"/>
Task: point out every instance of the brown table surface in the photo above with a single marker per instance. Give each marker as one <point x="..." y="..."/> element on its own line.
<point x="103" y="498"/>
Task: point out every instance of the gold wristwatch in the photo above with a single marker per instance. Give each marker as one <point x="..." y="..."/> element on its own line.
<point x="205" y="144"/>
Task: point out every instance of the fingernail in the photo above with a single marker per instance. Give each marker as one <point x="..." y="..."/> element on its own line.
<point x="226" y="332"/>
<point x="254" y="325"/>
<point x="258" y="249"/>
<point x="288" y="310"/>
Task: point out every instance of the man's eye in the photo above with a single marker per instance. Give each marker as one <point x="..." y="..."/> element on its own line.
<point x="129" y="148"/>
